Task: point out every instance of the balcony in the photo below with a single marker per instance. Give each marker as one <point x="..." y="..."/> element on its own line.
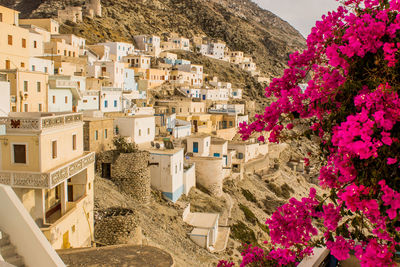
<point x="39" y="123"/>
<point x="48" y="179"/>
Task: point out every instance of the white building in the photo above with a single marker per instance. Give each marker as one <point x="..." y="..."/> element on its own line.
<point x="167" y="172"/>
<point x="119" y="49"/>
<point x="108" y="69"/>
<point x="199" y="145"/>
<point x="219" y="149"/>
<point x="41" y="65"/>
<point x="205" y="232"/>
<point x="90" y="100"/>
<point x="5" y="96"/>
<point x="63" y="94"/>
<point x="182" y="129"/>
<point x="139" y="129"/>
<point x="111" y="99"/>
<point x="215" y="94"/>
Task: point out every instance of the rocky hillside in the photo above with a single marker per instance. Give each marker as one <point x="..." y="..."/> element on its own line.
<point x="240" y="23"/>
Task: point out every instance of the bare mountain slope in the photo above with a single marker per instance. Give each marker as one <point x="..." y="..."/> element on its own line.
<point x="240" y="23"/>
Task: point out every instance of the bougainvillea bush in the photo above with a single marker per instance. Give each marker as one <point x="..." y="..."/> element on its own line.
<point x="351" y="104"/>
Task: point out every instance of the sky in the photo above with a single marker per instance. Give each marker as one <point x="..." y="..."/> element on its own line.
<point x="301" y="14"/>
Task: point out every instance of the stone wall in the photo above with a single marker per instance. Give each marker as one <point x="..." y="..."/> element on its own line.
<point x="116" y="226"/>
<point x="129" y="171"/>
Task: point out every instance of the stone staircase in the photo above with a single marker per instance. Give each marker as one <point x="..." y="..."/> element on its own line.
<point x="9" y="252"/>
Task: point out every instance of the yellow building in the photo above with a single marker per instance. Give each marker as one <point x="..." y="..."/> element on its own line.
<point x="44" y="162"/>
<point x="48" y="24"/>
<point x="15" y="43"/>
<point x="201" y="123"/>
<point x="28" y="90"/>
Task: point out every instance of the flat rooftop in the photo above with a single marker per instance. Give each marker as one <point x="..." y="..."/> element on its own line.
<point x="163" y="151"/>
<point x="202" y="220"/>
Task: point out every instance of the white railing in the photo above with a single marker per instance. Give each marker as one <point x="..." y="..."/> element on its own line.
<point x="46" y="179"/>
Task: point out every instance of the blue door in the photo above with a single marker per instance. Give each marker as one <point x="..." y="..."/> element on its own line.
<point x="195" y="147"/>
<point x="204" y="97"/>
<point x="226" y="160"/>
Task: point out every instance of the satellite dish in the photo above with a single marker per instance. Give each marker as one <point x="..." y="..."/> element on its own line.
<point x="152" y="144"/>
<point x="158" y="146"/>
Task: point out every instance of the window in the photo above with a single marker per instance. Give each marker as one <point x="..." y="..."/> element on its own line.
<point x="38" y="86"/>
<point x="140" y="132"/>
<point x="96" y="135"/>
<point x="207" y="144"/>
<point x="105" y="103"/>
<point x="217" y="155"/>
<point x="25" y="86"/>
<point x="34" y="44"/>
<point x="105" y="134"/>
<point x="148" y="130"/>
<point x="19" y="154"/>
<point x="115" y="103"/>
<point x="22" y="64"/>
<point x="66" y="100"/>
<point x="176" y="169"/>
<point x="1" y="17"/>
<point x="45" y="69"/>
<point x="230" y="123"/>
<point x="33" y="67"/>
<point x="240" y="156"/>
<point x="54" y="149"/>
<point x="23" y="43"/>
<point x="74" y="142"/>
<point x="8" y="64"/>
<point x="25" y="107"/>
<point x="10" y="40"/>
<point x="40" y="107"/>
<point x="54" y="99"/>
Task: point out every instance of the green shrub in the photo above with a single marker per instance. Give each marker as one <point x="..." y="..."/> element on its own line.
<point x="248" y="214"/>
<point x="249" y="196"/>
<point x="242" y="233"/>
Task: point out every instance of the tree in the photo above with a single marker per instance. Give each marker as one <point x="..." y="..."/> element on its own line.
<point x="351" y="103"/>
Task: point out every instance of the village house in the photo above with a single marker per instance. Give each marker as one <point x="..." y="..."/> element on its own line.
<point x="114" y="71"/>
<point x="50" y="25"/>
<point x="235" y="57"/>
<point x="98" y="133"/>
<point x="43" y="160"/>
<point x="139" y="129"/>
<point x="138" y="61"/>
<point x="90" y="100"/>
<point x="166" y="168"/>
<point x="119" y="49"/>
<point x="205" y="232"/>
<point x="219" y="149"/>
<point x="14" y="49"/>
<point x="182" y="107"/>
<point x="180" y="43"/>
<point x="28" y="90"/>
<point x="148" y="43"/>
<point x="102" y="52"/>
<point x="63" y="94"/>
<point x="200" y="122"/>
<point x="111" y="99"/>
<point x="198" y="145"/>
<point x="212" y="49"/>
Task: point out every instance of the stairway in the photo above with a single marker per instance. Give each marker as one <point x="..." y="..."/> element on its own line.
<point x="9" y="252"/>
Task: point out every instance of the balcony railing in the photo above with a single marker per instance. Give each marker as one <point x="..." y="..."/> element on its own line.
<point x="40" y="123"/>
<point x="46" y="179"/>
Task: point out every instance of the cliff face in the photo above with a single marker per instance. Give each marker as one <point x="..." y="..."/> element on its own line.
<point x="240" y="23"/>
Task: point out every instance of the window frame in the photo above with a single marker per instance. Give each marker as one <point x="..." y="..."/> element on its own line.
<point x="13" y="154"/>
